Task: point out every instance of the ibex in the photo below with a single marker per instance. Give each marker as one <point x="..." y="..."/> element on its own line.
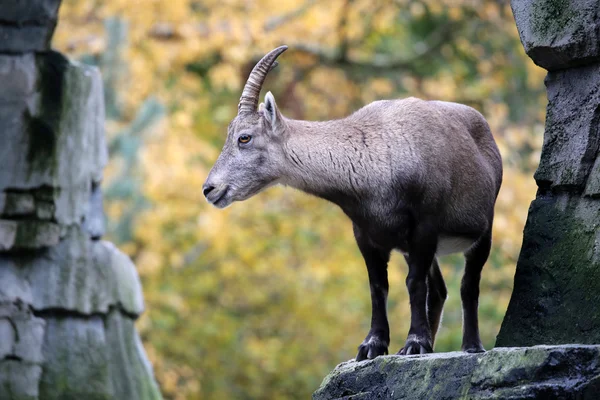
<point x="418" y="176"/>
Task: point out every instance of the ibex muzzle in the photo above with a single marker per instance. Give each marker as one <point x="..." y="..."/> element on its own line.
<point x="417" y="176"/>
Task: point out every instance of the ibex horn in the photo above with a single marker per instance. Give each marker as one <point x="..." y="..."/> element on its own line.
<point x="249" y="99"/>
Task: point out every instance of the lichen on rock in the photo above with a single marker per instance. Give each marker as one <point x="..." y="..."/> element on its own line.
<point x="566" y="372"/>
<point x="557" y="281"/>
<point x="68" y="300"/>
<point x="559" y="34"/>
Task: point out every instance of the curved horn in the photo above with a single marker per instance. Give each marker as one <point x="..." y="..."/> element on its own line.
<point x="249" y="99"/>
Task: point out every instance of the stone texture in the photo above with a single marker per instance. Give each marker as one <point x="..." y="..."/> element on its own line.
<point x="559" y="34"/>
<point x="557" y="280"/>
<point x="76" y="361"/>
<point x="8" y="234"/>
<point x="541" y="372"/>
<point x="27" y="26"/>
<point x="79" y="275"/>
<point x="130" y="373"/>
<point x="17" y="204"/>
<point x="95" y="358"/>
<point x="27" y="234"/>
<point x="52" y="130"/>
<point x="572" y="135"/>
<point x="36" y="234"/>
<point x="94" y="220"/>
<point x="21" y="333"/>
<point x="123" y="282"/>
<point x="68" y="301"/>
<point x="21" y="338"/>
<point x="18" y="77"/>
<point x="558" y="275"/>
<point x="19" y="380"/>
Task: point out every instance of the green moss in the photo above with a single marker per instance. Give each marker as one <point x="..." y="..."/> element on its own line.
<point x="557" y="278"/>
<point x="34" y="234"/>
<point x="510" y="366"/>
<point x="42" y="143"/>
<point x="498" y="374"/>
<point x="43" y="128"/>
<point x="551" y="16"/>
<point x="75" y="364"/>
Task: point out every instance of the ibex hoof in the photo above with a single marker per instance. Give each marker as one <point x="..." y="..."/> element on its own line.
<point x="415" y="345"/>
<point x="371" y="348"/>
<point x="473" y="348"/>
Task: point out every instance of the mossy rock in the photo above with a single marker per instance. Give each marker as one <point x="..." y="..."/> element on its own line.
<point x="555" y="296"/>
<point x="559" y="34"/>
<point x="541" y="372"/>
<point x="77" y="275"/>
<point x="52" y="131"/>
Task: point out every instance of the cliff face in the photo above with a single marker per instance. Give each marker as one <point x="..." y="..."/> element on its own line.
<point x="555" y="297"/>
<point x="68" y="300"/>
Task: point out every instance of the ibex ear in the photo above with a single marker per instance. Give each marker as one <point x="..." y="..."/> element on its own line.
<point x="270" y="111"/>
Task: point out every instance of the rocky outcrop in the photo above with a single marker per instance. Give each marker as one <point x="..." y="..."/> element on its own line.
<point x="559" y="34"/>
<point x="68" y="300"/>
<point x="27" y="26"/>
<point x="557" y="280"/>
<point x="541" y="372"/>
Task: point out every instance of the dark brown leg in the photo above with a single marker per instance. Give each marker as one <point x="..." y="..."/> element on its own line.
<point x="475" y="257"/>
<point x="436" y="296"/>
<point x="378" y="339"/>
<point x="422" y="248"/>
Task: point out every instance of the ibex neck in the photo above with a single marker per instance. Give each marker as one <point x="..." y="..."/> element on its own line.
<point x="326" y="159"/>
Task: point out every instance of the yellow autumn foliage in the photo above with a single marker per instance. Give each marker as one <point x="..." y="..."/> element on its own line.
<point x="261" y="300"/>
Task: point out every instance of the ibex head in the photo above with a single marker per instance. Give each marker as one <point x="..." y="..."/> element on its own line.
<point x="252" y="156"/>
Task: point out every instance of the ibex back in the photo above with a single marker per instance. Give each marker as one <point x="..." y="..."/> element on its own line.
<point x="418" y="176"/>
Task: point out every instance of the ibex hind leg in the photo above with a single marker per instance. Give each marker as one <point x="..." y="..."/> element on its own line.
<point x="475" y="258"/>
<point x="436" y="296"/>
<point x="421" y="253"/>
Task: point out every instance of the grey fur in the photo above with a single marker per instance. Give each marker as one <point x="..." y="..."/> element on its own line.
<point x="411" y="174"/>
<point x="443" y="149"/>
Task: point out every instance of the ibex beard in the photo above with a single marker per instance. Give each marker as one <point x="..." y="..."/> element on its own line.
<point x="421" y="177"/>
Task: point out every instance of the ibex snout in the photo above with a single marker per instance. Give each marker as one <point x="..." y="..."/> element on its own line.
<point x="206" y="189"/>
<point x="216" y="194"/>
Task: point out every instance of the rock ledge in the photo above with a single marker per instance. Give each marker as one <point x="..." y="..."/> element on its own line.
<point x="565" y="372"/>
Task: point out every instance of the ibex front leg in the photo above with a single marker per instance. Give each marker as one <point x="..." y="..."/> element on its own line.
<point x="422" y="248"/>
<point x="378" y="339"/>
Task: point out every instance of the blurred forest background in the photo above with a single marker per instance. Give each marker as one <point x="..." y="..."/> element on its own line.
<point x="261" y="300"/>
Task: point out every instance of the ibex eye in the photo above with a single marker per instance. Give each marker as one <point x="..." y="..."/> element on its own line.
<point x="244" y="139"/>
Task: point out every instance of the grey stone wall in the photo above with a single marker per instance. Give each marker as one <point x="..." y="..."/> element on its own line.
<point x="68" y="300"/>
<point x="556" y="297"/>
